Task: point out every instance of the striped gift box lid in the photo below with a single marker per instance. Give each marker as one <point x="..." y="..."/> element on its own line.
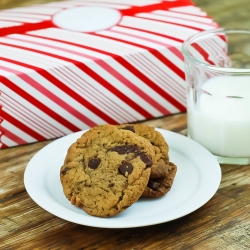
<point x="67" y="66"/>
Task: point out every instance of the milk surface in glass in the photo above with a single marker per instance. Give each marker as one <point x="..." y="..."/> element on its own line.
<point x="220" y="117"/>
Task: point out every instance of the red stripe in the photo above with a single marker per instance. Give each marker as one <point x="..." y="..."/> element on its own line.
<point x="164" y="78"/>
<point x="96" y="77"/>
<point x="185" y="18"/>
<point x="177" y="52"/>
<point x="115" y="91"/>
<point x="28" y="119"/>
<point x="153" y="33"/>
<point x="69" y="92"/>
<point x="52" y="128"/>
<point x="89" y="92"/>
<point x="132" y="11"/>
<point x="112" y="71"/>
<point x="3" y="145"/>
<point x="172" y="48"/>
<point x="106" y="104"/>
<point x="145" y="79"/>
<point x="167" y="62"/>
<point x="203" y="53"/>
<point x="26" y="27"/>
<point x="50" y="95"/>
<point x="22" y="126"/>
<point x="188" y="13"/>
<point x="202" y="13"/>
<point x="151" y="84"/>
<point x="115" y="56"/>
<point x="134" y="88"/>
<point x="176" y="24"/>
<point x="144" y="38"/>
<point x="13" y="137"/>
<point x="78" y="98"/>
<point x="39" y="105"/>
<point x="132" y="69"/>
<point x="162" y="5"/>
<point x="222" y="36"/>
<point x="156" y="53"/>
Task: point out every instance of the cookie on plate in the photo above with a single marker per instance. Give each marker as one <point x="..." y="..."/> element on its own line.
<point x="159" y="143"/>
<point x="161" y="185"/>
<point x="162" y="171"/>
<point x="106" y="170"/>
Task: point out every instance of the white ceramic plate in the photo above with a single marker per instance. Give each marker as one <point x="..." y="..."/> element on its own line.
<point x="197" y="179"/>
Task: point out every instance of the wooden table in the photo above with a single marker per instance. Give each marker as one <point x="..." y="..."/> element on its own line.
<point x="222" y="223"/>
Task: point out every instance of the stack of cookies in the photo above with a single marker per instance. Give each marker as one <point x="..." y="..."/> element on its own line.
<point x="110" y="167"/>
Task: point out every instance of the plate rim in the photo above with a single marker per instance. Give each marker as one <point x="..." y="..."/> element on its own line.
<point x="103" y="223"/>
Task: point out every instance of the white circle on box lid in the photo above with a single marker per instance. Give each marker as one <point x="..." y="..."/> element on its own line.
<point x="87" y="19"/>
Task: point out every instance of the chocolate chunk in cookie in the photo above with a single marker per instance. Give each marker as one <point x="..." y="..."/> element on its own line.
<point x="130" y="128"/>
<point x="157" y="141"/>
<point x="65" y="170"/>
<point x="158" y="187"/>
<point x="94" y="163"/>
<point x="126" y="168"/>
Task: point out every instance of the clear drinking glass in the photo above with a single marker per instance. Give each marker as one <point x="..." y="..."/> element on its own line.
<point x="217" y="64"/>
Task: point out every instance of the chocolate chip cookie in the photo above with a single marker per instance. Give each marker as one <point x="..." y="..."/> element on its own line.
<point x="162" y="171"/>
<point x="157" y="140"/>
<point x="159" y="186"/>
<point x="106" y="170"/>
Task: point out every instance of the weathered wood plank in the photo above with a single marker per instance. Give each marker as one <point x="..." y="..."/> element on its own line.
<point x="227" y="212"/>
<point x="191" y="231"/>
<point x="12" y="165"/>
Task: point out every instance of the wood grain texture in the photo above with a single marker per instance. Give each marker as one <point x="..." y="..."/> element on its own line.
<point x="222" y="223"/>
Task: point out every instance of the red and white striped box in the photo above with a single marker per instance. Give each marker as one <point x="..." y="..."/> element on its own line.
<point x="67" y="66"/>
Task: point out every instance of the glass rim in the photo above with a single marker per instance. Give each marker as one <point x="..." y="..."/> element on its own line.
<point x="208" y="66"/>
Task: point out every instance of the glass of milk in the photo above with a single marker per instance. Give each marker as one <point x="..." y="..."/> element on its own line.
<point x="217" y="65"/>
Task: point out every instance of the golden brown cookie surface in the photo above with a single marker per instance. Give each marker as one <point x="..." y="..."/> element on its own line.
<point x="106" y="170"/>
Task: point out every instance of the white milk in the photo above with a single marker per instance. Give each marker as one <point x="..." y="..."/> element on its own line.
<point x="219" y="123"/>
